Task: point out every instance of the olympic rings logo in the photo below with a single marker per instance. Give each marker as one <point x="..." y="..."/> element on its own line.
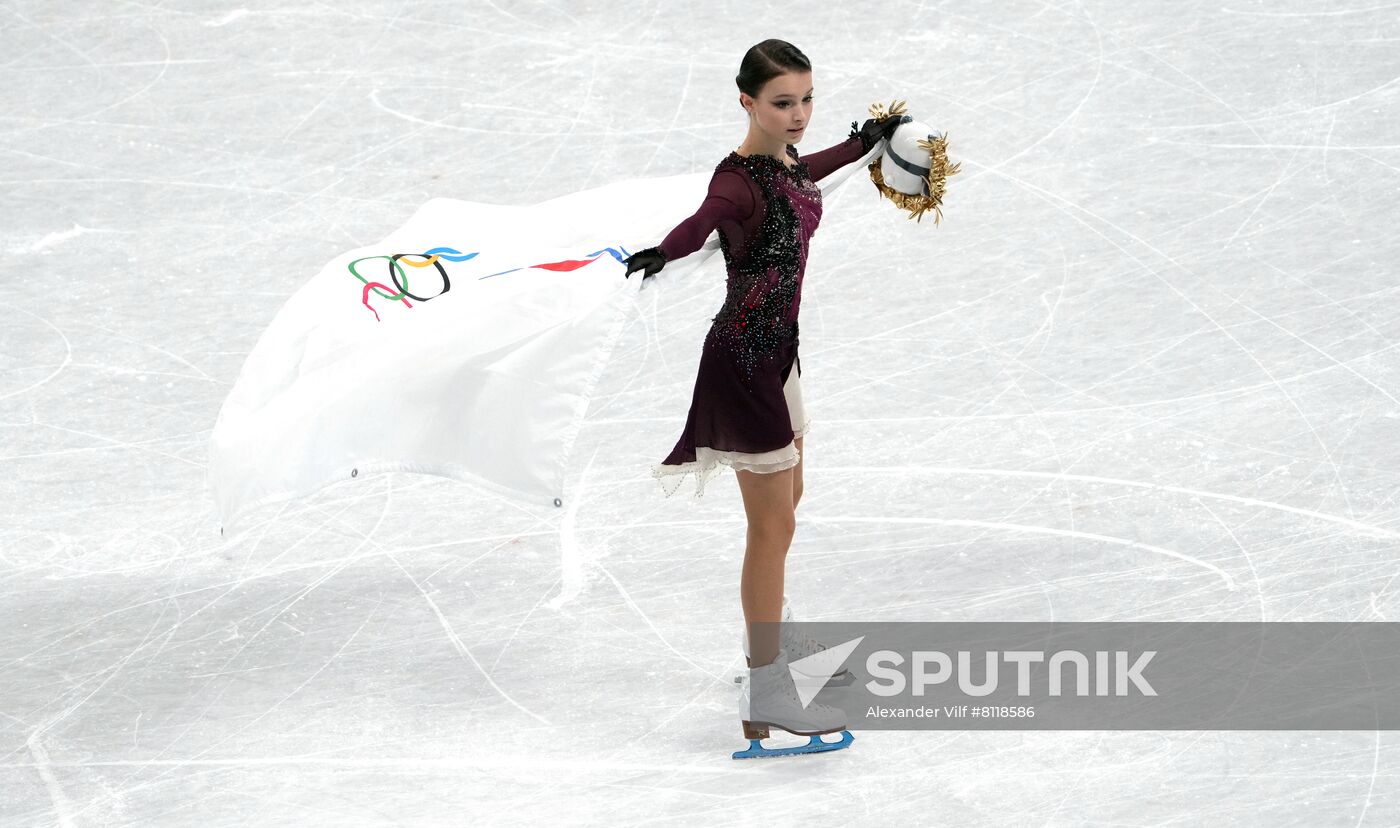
<point x="434" y="258"/>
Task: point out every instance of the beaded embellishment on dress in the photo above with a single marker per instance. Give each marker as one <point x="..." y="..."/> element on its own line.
<point x="765" y="274"/>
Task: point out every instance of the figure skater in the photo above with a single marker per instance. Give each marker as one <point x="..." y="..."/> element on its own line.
<point x="746" y="411"/>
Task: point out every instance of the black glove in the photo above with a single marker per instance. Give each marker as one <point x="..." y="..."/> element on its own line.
<point x="650" y="260"/>
<point x="873" y="130"/>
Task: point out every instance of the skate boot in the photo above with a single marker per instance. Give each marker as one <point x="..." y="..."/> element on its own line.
<point x="775" y="703"/>
<point x="798" y="647"/>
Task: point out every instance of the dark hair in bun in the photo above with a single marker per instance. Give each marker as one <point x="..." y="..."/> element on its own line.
<point x="767" y="60"/>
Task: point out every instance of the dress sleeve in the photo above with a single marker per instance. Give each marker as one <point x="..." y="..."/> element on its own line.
<point x="728" y="205"/>
<point x="822" y="163"/>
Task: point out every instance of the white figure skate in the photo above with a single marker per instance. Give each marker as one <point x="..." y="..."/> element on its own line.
<point x="798" y="648"/>
<point x="777" y="705"/>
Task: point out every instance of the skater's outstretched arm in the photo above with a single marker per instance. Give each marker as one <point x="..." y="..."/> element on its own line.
<point x="822" y="163"/>
<point x="728" y="204"/>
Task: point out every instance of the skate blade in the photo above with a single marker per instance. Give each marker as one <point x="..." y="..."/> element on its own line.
<point x="756" y="750"/>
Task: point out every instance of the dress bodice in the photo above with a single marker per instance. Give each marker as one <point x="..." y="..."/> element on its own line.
<point x="764" y="272"/>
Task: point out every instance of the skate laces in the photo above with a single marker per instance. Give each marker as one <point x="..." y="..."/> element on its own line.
<point x="806" y="645"/>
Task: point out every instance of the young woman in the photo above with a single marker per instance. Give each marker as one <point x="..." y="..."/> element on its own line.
<point x="746" y="411"/>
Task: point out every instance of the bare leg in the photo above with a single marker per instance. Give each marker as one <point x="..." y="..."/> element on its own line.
<point x="768" y="504"/>
<point x="797" y="475"/>
<point x="796" y="488"/>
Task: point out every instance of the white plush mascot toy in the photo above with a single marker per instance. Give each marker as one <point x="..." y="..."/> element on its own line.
<point x="913" y="170"/>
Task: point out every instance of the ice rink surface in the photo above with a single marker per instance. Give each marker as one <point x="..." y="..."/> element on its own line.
<point x="1152" y="351"/>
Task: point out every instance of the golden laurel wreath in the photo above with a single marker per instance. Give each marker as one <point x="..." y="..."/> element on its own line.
<point x="936" y="179"/>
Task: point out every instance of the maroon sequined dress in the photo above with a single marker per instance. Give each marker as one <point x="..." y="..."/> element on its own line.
<point x="747" y="406"/>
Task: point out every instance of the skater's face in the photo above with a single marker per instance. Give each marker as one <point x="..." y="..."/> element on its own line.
<point x="783" y="107"/>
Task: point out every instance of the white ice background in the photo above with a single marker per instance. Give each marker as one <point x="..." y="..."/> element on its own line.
<point x="1150" y="355"/>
